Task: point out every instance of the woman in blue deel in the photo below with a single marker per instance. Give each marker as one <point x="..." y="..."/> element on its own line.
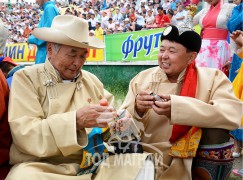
<point x="49" y="12"/>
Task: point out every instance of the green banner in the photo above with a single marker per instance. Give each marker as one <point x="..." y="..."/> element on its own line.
<point x="133" y="46"/>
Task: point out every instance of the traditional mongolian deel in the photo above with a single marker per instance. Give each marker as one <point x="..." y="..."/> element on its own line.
<point x="215" y="50"/>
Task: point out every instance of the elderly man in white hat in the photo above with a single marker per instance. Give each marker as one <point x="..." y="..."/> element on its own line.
<point x="54" y="106"/>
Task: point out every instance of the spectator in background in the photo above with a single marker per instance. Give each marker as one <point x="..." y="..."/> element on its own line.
<point x="126" y="24"/>
<point x="108" y="31"/>
<point x="83" y="16"/>
<point x="50" y="11"/>
<point x="27" y="31"/>
<point x="237" y="36"/>
<point x="120" y="30"/>
<point x="9" y="67"/>
<point x="180" y="15"/>
<point x="103" y="5"/>
<point x="5" y="135"/>
<point x="132" y="15"/>
<point x="128" y="6"/>
<point x="129" y="29"/>
<point x="118" y="17"/>
<point x="173" y="5"/>
<point x="215" y="51"/>
<point x="117" y="25"/>
<point x="110" y="26"/>
<point x="91" y="33"/>
<point x="126" y="14"/>
<point x="143" y="4"/>
<point x="156" y="6"/>
<point x="92" y="22"/>
<point x="151" y="8"/>
<point x="186" y="2"/>
<point x="160" y="20"/>
<point x="149" y="18"/>
<point x="133" y="5"/>
<point x="170" y="14"/>
<point x="140" y="22"/>
<point x="104" y="20"/>
<point x="6" y="65"/>
<point x="235" y="23"/>
<point x="166" y="6"/>
<point x="99" y="32"/>
<point x="97" y="15"/>
<point x="85" y="11"/>
<point x="20" y="29"/>
<point x="141" y="10"/>
<point x="237" y="2"/>
<point x="122" y="8"/>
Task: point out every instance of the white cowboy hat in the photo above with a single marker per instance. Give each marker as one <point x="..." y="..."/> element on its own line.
<point x="69" y="30"/>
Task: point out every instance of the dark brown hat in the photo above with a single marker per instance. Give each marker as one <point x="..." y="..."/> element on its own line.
<point x="184" y="36"/>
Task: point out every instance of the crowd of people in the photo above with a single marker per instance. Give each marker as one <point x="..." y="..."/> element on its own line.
<point x="20" y="19"/>
<point x="112" y="17"/>
<point x="55" y="133"/>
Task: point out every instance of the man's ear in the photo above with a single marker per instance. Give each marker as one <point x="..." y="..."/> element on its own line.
<point x="191" y="57"/>
<point x="49" y="49"/>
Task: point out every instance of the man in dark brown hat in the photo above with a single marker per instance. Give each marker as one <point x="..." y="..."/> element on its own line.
<point x="190" y="104"/>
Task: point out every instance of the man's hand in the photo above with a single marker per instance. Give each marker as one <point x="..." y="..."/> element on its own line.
<point x="123" y="126"/>
<point x="163" y="107"/>
<point x="143" y="102"/>
<point x="94" y="116"/>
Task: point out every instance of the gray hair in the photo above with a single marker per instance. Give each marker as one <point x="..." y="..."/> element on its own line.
<point x="57" y="47"/>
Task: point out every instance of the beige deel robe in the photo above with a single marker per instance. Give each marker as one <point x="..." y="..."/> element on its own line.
<point x="214" y="106"/>
<point x="42" y="118"/>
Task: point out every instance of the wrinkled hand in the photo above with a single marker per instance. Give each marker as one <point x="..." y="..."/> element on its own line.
<point x="123" y="121"/>
<point x="143" y="102"/>
<point x="122" y="126"/>
<point x="94" y="116"/>
<point x="163" y="108"/>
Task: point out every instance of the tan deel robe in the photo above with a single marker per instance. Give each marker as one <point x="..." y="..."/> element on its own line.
<point x="214" y="106"/>
<point x="42" y="117"/>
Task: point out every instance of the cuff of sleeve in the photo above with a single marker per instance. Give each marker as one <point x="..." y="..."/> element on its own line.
<point x="82" y="138"/>
<point x="176" y="110"/>
<point x="64" y="131"/>
<point x="32" y="40"/>
<point x="137" y="117"/>
<point x="239" y="52"/>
